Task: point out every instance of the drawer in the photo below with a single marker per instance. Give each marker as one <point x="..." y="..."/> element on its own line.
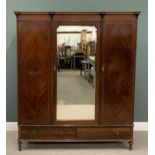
<point x="108" y="133"/>
<point x="47" y="133"/>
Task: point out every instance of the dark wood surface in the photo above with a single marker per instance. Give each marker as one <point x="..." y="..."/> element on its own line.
<point x="37" y="80"/>
<point x="73" y="133"/>
<point x="34" y="44"/>
<point x="118" y="77"/>
<point x="48" y="133"/>
<point x="103" y="133"/>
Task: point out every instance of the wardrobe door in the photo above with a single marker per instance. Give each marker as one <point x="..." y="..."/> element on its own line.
<point x="34" y="72"/>
<point x="118" y="70"/>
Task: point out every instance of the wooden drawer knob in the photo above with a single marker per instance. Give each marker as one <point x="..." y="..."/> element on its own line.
<point x="33" y="132"/>
<point x="117" y="133"/>
<point x="61" y="133"/>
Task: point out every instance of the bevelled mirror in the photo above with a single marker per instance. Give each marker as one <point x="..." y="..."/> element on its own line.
<point x="76" y="76"/>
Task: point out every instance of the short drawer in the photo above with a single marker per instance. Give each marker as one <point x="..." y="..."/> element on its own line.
<point x="47" y="133"/>
<point x="104" y="133"/>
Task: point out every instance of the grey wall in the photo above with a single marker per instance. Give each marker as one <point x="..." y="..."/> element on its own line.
<point x="141" y="97"/>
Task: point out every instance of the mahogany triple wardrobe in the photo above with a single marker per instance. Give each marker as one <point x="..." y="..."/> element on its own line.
<point x="43" y="116"/>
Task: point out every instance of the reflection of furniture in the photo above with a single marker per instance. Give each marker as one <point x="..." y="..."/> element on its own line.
<point x="91" y="48"/>
<point x="76" y="58"/>
<point x="65" y="62"/>
<point x="84" y="67"/>
<point x="37" y="83"/>
<point x="83" y="42"/>
<point x="92" y="76"/>
<point x="88" y="66"/>
<point x="68" y="51"/>
<point x="64" y="57"/>
<point x="91" y="66"/>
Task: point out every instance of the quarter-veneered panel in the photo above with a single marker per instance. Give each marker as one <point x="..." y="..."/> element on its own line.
<point x="34" y="70"/>
<point x="117" y="94"/>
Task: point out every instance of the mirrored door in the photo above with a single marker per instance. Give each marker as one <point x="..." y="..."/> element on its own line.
<point x="76" y="72"/>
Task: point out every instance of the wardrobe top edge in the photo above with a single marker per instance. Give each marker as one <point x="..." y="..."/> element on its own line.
<point x="85" y="13"/>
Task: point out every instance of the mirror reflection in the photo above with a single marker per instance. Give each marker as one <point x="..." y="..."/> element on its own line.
<point x="76" y="76"/>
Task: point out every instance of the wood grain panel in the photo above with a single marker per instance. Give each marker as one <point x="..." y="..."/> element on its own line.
<point x="118" y="70"/>
<point x="76" y="17"/>
<point x="34" y="70"/>
<point x="120" y="17"/>
<point x="47" y="133"/>
<point x="104" y="133"/>
<point x="34" y="17"/>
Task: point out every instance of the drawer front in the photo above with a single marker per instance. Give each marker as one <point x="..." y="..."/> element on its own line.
<point x="104" y="133"/>
<point x="47" y="133"/>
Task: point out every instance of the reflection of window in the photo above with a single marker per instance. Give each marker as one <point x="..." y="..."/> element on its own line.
<point x="73" y="35"/>
<point x="93" y="37"/>
<point x="83" y="36"/>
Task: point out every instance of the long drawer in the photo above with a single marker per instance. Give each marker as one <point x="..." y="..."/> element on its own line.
<point x="106" y="133"/>
<point x="47" y="133"/>
<point x="75" y="133"/>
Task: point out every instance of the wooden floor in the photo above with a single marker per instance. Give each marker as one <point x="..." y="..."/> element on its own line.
<point x="140" y="147"/>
